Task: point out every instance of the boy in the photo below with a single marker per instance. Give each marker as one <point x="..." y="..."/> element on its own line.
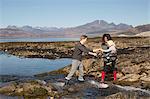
<point x="77" y="58"/>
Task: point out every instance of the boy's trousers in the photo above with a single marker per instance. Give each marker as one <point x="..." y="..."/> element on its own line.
<point x="75" y="65"/>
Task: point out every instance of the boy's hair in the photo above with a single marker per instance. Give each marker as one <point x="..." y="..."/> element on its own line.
<point x="83" y="37"/>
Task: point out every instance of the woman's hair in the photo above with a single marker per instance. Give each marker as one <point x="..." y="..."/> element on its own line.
<point x="108" y="37"/>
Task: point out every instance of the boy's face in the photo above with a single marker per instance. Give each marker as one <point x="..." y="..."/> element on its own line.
<point x="84" y="40"/>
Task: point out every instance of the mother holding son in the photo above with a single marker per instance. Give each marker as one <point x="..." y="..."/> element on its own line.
<point x="109" y="57"/>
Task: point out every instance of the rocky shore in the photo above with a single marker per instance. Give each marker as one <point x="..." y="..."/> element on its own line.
<point x="133" y="70"/>
<point x="49" y="50"/>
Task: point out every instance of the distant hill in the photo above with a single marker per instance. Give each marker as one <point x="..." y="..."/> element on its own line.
<point x="147" y="33"/>
<point x="98" y="27"/>
<point x="136" y="30"/>
<point x="143" y="28"/>
<point x="95" y="28"/>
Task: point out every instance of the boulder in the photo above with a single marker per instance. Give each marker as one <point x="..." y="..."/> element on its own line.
<point x="35" y="89"/>
<point x="27" y="88"/>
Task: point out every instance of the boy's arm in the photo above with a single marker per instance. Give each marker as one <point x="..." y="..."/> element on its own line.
<point x="91" y="53"/>
<point x="86" y="50"/>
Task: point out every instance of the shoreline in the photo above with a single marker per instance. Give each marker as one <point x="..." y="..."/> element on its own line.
<point x="133" y="63"/>
<point x="61" y="49"/>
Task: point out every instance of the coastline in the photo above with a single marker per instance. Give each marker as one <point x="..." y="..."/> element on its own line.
<point x="133" y="63"/>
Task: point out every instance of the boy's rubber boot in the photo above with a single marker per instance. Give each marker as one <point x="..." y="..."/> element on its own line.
<point x="81" y="80"/>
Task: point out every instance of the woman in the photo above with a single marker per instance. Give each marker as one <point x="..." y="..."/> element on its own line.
<point x="109" y="64"/>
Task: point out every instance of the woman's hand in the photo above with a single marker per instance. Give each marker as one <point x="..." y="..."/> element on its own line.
<point x="101" y="49"/>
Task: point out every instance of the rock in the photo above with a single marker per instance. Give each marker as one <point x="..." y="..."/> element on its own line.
<point x="96" y="74"/>
<point x="119" y="75"/>
<point x="27" y="88"/>
<point x="35" y="89"/>
<point x="87" y="63"/>
<point x="8" y="89"/>
<point x="146" y="85"/>
<point x="131" y="69"/>
<point x="130" y="78"/>
<point x="49" y="87"/>
<point x="8" y="78"/>
<point x="143" y="74"/>
<point x="147" y="66"/>
<point x="38" y="91"/>
<point x="137" y="60"/>
<point x="126" y="70"/>
<point x="148" y="72"/>
<point x="71" y="90"/>
<point x="145" y="78"/>
<point x="121" y="95"/>
<point x="41" y="82"/>
<point x="19" y="90"/>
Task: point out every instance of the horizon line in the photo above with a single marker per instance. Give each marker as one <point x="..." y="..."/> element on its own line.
<point x="34" y="26"/>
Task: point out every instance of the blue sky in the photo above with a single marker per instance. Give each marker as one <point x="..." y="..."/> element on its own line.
<point x="69" y="13"/>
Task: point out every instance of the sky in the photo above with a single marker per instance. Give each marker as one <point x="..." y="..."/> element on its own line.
<point x="70" y="13"/>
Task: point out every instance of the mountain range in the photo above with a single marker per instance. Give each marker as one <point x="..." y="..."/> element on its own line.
<point x="95" y="28"/>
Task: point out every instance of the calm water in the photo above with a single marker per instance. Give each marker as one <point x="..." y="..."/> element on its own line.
<point x="37" y="39"/>
<point x="12" y="65"/>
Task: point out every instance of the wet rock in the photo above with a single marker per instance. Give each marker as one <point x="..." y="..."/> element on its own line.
<point x="8" y="78"/>
<point x="29" y="89"/>
<point x="29" y="86"/>
<point x="71" y="90"/>
<point x="37" y="91"/>
<point x="42" y="82"/>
